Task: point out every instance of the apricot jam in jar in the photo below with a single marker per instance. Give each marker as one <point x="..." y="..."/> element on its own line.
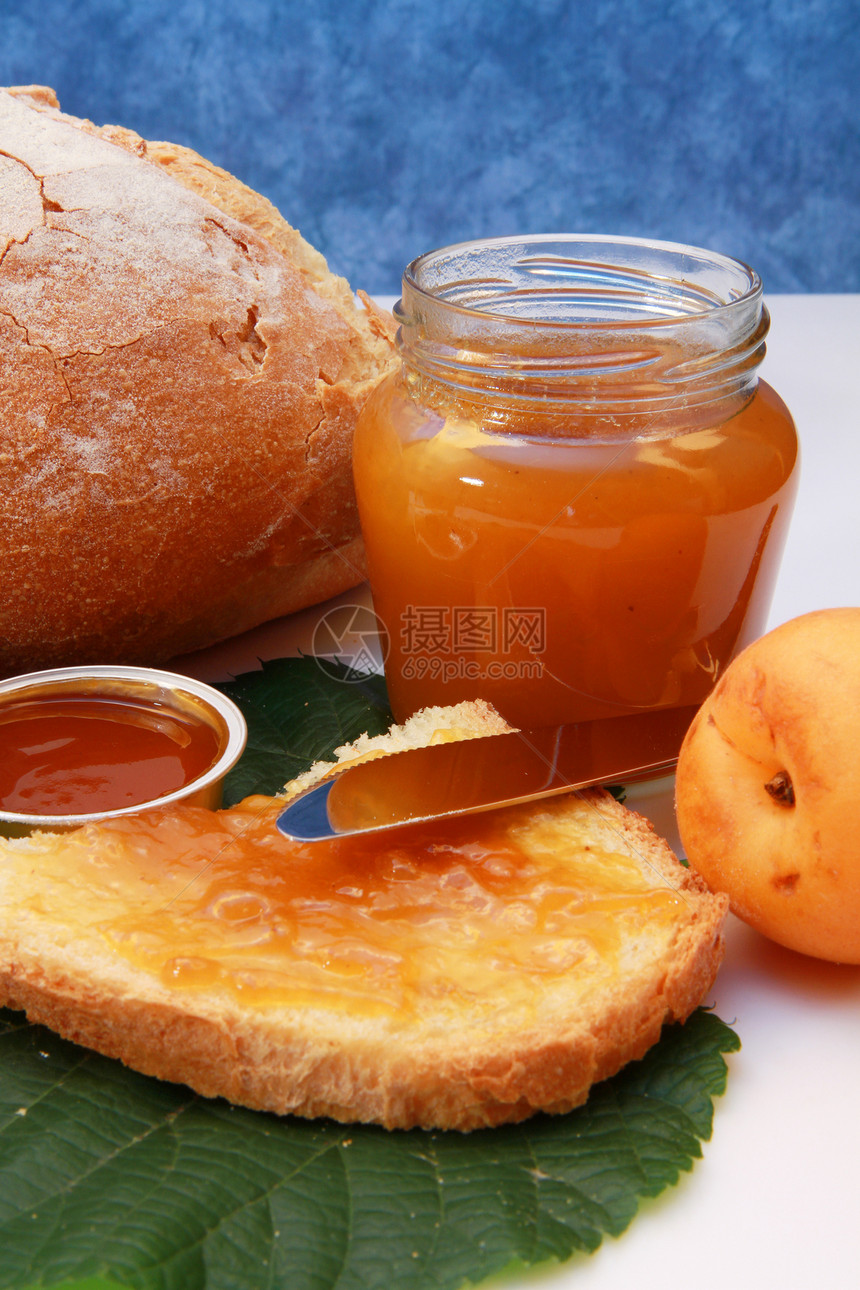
<point x="575" y="492"/>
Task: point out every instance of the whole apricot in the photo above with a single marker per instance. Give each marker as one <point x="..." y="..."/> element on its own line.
<point x="768" y="785"/>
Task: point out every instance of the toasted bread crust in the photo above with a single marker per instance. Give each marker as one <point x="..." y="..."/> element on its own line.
<point x="181" y="376"/>
<point x="444" y="1065"/>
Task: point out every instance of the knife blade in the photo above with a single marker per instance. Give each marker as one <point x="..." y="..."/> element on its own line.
<point x="470" y="775"/>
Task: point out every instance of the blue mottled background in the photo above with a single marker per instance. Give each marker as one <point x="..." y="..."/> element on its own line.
<point x="382" y="128"/>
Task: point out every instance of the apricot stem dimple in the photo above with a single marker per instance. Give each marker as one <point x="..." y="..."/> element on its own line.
<point x="781" y="788"/>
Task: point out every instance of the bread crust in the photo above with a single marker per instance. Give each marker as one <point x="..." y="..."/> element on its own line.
<point x="445" y="1064"/>
<point x="180" y="376"/>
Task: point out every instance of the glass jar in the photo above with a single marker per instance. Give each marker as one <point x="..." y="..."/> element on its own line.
<point x="575" y="492"/>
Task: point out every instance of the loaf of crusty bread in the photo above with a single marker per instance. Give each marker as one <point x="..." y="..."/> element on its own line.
<point x="453" y="976"/>
<point x="180" y="375"/>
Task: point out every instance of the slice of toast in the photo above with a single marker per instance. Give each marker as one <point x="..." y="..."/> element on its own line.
<point x="454" y="977"/>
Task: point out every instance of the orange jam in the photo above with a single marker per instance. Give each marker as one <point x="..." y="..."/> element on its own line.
<point x="76" y="755"/>
<point x="575" y="493"/>
<point x="568" y="578"/>
<point x="487" y="910"/>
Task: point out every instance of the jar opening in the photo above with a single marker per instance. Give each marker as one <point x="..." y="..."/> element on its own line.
<point x="582" y="280"/>
<point x="583" y="318"/>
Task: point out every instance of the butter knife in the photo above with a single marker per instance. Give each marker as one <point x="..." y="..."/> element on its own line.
<point x="482" y="774"/>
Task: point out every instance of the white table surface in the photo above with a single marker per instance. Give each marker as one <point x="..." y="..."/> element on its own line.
<point x="775" y="1200"/>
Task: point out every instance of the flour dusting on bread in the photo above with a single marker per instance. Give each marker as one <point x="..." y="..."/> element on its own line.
<point x="181" y="379"/>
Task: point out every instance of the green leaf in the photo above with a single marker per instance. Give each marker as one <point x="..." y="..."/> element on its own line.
<point x="298" y="712"/>
<point x="108" y="1178"/>
<point x="107" y="1173"/>
<point x="88" y="1283"/>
